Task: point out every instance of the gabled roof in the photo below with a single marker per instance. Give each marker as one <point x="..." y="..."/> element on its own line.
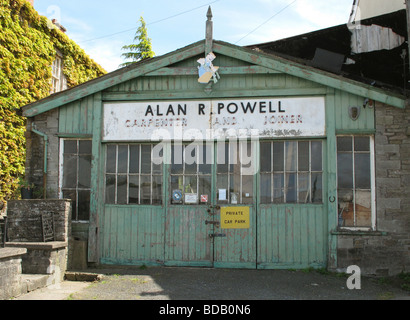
<point x="268" y="61"/>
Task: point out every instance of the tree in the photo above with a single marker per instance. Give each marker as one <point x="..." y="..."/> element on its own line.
<point x="141" y="49"/>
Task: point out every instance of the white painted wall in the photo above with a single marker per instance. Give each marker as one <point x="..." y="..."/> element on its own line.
<point x="364" y="9"/>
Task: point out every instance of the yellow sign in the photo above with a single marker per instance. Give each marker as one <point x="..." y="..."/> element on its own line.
<point x="235" y="218"/>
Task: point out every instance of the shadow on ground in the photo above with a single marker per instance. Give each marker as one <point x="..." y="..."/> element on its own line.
<point x="165" y="283"/>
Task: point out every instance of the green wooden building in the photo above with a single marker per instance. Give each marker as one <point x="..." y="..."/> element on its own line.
<point x="261" y="163"/>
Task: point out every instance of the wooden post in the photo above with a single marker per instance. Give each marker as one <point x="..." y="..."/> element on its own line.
<point x="209" y="32"/>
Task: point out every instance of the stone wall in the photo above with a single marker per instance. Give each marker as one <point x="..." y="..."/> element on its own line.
<point x="46" y="123"/>
<point x="24" y="219"/>
<point x="387" y="251"/>
<point x="10" y="272"/>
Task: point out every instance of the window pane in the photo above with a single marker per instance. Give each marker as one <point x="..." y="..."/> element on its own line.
<point x="303" y="156"/>
<point x="145" y="159"/>
<point x="345" y="170"/>
<point x="290" y="156"/>
<point x="190" y="184"/>
<point x="290" y="188"/>
<point x="85" y="147"/>
<point x="177" y="159"/>
<point x="362" y="170"/>
<point x="84" y="205"/>
<point x="205" y="159"/>
<point x="205" y="186"/>
<point x="222" y="157"/>
<point x="122" y="159"/>
<point x="84" y="171"/>
<point x="70" y="171"/>
<point x="317" y="156"/>
<point x="157" y="158"/>
<point x="344" y="144"/>
<point x="304" y="188"/>
<point x="266" y="188"/>
<point x="346" y="210"/>
<point x="133" y="195"/>
<point x="278" y="154"/>
<point x="157" y="190"/>
<point x="190" y="159"/>
<point x="70" y="146"/>
<point x="121" y="189"/>
<point x="222" y="184"/>
<point x="317" y="188"/>
<point x="110" y="188"/>
<point x="266" y="157"/>
<point x="134" y="159"/>
<point x="111" y="159"/>
<point x="145" y="190"/>
<point x="362" y="144"/>
<point x="278" y="188"/>
<point x="71" y="195"/>
<point x="363" y="208"/>
<point x="247" y="189"/>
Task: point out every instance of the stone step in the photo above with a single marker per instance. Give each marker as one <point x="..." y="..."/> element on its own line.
<point x="31" y="282"/>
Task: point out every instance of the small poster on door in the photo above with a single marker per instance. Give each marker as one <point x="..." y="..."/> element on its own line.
<point x="191" y="198"/>
<point x="204" y="198"/>
<point x="222" y="194"/>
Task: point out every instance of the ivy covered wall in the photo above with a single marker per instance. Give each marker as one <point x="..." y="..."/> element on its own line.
<point x="28" y="47"/>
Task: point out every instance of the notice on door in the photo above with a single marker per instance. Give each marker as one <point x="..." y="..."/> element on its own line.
<point x="235" y="218"/>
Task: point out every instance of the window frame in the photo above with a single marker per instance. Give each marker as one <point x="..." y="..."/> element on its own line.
<point x="284" y="172"/>
<point x="372" y="159"/>
<point x="128" y="174"/>
<point x="61" y="176"/>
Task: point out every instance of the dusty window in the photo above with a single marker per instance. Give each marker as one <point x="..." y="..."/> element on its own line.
<point x="291" y="172"/>
<point x="354" y="181"/>
<point x="234" y="179"/>
<point x="76" y="176"/>
<point x="133" y="174"/>
<point x="191" y="174"/>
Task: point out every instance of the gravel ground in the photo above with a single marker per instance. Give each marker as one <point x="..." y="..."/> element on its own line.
<point x="165" y="283"/>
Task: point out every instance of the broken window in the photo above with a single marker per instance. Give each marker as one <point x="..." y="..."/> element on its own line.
<point x="354" y="167"/>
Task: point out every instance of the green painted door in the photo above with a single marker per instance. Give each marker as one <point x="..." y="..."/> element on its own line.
<point x="235" y="234"/>
<point x="189" y="219"/>
<point x="292" y="220"/>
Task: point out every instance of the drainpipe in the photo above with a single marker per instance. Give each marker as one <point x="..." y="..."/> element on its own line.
<point x="45" y="137"/>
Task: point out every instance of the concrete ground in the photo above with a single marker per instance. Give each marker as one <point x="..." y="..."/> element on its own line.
<point x="202" y="284"/>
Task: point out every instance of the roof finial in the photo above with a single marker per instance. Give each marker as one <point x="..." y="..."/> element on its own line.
<point x="209" y="32"/>
<point x="209" y="14"/>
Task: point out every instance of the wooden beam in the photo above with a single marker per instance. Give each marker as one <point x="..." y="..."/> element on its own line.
<point x="225" y="94"/>
<point x="193" y="71"/>
<point x="315" y="75"/>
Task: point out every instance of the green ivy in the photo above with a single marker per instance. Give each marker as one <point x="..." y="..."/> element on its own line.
<point x="28" y="46"/>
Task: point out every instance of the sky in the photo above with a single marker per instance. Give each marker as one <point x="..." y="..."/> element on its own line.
<point x="102" y="27"/>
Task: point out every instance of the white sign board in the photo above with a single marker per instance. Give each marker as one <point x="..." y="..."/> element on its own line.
<point x="214" y="119"/>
